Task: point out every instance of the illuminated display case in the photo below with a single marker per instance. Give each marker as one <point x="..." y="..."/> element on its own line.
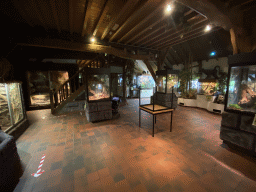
<point x="12" y="109"/>
<point x="166" y="79"/>
<point x="242" y="88"/>
<point x="98" y="84"/>
<point x="206" y="86"/>
<point x="146" y="81"/>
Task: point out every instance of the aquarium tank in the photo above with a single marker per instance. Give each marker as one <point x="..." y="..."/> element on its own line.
<point x="11" y="105"/>
<point x="242" y="88"/>
<point x="98" y="87"/>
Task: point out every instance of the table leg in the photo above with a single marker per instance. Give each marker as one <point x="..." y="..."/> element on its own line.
<point x="139" y="117"/>
<point x="171" y="123"/>
<point x="153" y="126"/>
<point x="155" y="118"/>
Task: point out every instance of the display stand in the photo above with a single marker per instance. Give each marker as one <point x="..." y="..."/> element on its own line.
<point x="154" y="109"/>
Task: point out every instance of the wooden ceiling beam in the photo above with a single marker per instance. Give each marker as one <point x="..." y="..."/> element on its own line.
<point x="175" y="37"/>
<point x="163" y="58"/>
<point x="143" y="21"/>
<point x="121" y="14"/>
<point x="199" y="34"/>
<point x="161" y="31"/>
<point x="102" y="15"/>
<point x="71" y="13"/>
<point x="135" y="15"/>
<point x="146" y="61"/>
<point x="176" y="33"/>
<point x="87" y="15"/>
<point x="73" y="46"/>
<point x="55" y="15"/>
<point x="181" y="59"/>
<point x="175" y="61"/>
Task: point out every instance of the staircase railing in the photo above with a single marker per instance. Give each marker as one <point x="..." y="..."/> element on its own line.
<point x="67" y="88"/>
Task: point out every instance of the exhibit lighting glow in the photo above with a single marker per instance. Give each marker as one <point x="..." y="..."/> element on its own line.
<point x="208" y="28"/>
<point x="169" y="8"/>
<point x="213" y="53"/>
<point x="93" y="40"/>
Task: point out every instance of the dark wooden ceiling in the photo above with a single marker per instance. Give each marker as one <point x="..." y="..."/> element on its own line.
<point x="138" y="25"/>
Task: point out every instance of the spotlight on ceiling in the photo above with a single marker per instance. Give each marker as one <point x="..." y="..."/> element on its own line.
<point x="213" y="53"/>
<point x="207" y="28"/>
<point x="93" y="39"/>
<point x="169" y="8"/>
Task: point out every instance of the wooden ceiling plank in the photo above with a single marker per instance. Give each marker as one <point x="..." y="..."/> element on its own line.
<point x="155" y="34"/>
<point x="86" y="17"/>
<point x="121" y="13"/>
<point x="71" y="10"/>
<point x="144" y="30"/>
<point x="143" y="21"/>
<point x="164" y="38"/>
<point x="55" y="15"/>
<point x="190" y="38"/>
<point x="22" y="9"/>
<point x="102" y="15"/>
<point x="38" y="13"/>
<point x="135" y="15"/>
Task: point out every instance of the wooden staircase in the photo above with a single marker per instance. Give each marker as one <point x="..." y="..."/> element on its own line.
<point x="70" y="89"/>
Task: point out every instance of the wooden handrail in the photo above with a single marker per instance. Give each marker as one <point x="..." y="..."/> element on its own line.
<point x="70" y="79"/>
<point x="63" y="92"/>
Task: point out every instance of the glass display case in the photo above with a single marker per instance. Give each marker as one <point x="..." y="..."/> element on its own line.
<point x="98" y="84"/>
<point x="116" y="85"/>
<point x="166" y="79"/>
<point x="145" y="81"/>
<point x="11" y="105"/>
<point x="242" y="88"/>
<point x="206" y="87"/>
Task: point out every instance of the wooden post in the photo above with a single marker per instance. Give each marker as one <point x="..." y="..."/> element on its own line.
<point x="124" y="84"/>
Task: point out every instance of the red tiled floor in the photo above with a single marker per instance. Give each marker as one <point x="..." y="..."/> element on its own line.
<point x="117" y="155"/>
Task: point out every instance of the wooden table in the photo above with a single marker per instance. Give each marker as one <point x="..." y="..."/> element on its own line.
<point x="158" y="109"/>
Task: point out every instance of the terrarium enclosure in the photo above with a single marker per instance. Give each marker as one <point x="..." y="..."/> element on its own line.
<point x="207" y="87"/>
<point x="242" y="88"/>
<point x="116" y="85"/>
<point x="165" y="80"/>
<point x="11" y="105"/>
<point x="98" y="84"/>
<point x="40" y="84"/>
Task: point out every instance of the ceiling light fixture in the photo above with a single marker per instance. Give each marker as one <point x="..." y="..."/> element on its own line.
<point x="207" y="28"/>
<point x="213" y="53"/>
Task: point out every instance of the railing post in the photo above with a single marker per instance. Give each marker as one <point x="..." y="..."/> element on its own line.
<point x="51" y="101"/>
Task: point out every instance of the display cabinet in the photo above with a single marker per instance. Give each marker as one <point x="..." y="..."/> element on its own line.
<point x="12" y="109"/>
<point x="166" y="79"/>
<point x="155" y="107"/>
<point x="98" y="84"/>
<point x="238" y="124"/>
<point x="98" y="99"/>
<point x="206" y="86"/>
<point x="242" y="88"/>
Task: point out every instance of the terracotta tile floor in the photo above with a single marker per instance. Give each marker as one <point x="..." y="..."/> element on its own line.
<point x="117" y="155"/>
